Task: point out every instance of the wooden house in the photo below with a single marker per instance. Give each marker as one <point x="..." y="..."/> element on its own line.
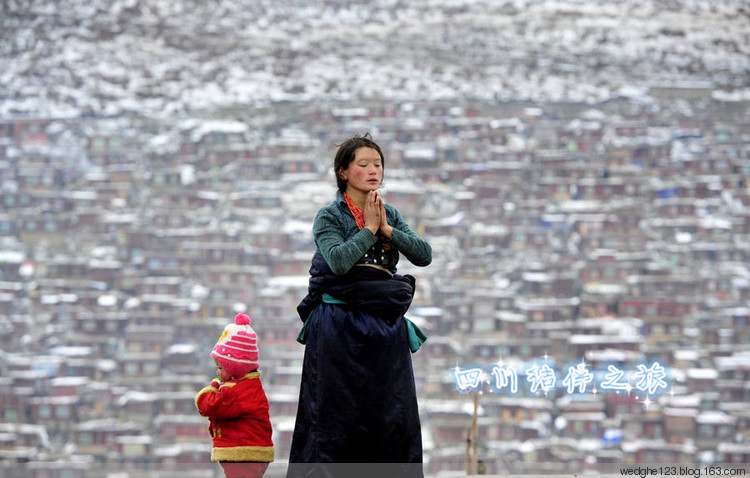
<point x="180" y="358"/>
<point x="180" y="456"/>
<point x="176" y="403"/>
<point x="137" y="407"/>
<point x="99" y="437"/>
<point x="20" y="442"/>
<point x="134" y="367"/>
<point x="148" y="338"/>
<point x="109" y="149"/>
<point x="679" y="424"/>
<point x="57" y="413"/>
<point x="713" y="428"/>
<point x="13" y="402"/>
<point x="731" y="454"/>
<point x="659" y="451"/>
<point x="175" y="428"/>
<point x="134" y="451"/>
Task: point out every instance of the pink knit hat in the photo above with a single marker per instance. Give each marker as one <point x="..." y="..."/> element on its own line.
<point x="237" y="348"/>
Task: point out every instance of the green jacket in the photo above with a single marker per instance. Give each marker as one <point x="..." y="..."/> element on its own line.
<point x="343" y="244"/>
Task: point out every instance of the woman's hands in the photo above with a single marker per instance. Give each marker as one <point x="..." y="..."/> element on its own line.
<point x="375" y="216"/>
<point x="372" y="212"/>
<point x="385" y="229"/>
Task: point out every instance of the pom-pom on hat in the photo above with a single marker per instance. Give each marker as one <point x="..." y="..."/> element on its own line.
<point x="237" y="348"/>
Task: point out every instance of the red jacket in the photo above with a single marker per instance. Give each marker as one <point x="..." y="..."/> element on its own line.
<point x="239" y="420"/>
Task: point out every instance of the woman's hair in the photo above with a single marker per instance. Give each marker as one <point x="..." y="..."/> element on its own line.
<point x="345" y="155"/>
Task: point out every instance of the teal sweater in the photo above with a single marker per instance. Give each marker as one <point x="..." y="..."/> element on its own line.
<point x="343" y="244"/>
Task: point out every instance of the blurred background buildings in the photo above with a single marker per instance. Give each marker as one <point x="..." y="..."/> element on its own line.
<point x="580" y="169"/>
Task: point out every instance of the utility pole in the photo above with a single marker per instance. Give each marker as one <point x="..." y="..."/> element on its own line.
<point x="472" y="441"/>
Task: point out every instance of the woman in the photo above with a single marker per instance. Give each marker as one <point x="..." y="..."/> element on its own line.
<point x="357" y="399"/>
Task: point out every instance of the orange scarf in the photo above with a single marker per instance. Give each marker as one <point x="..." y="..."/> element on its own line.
<point x="359" y="215"/>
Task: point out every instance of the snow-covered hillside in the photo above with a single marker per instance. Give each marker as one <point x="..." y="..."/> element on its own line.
<point x="79" y="57"/>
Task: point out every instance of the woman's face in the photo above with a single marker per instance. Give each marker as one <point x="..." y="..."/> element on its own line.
<point x="365" y="172"/>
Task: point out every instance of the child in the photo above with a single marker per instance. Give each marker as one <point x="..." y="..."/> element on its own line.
<point x="237" y="406"/>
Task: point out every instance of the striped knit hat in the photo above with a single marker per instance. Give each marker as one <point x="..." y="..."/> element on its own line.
<point x="237" y="348"/>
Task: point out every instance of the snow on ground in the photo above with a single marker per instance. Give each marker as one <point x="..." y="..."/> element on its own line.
<point x="117" y="56"/>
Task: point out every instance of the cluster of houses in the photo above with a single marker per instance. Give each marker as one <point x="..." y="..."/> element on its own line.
<point x="616" y="237"/>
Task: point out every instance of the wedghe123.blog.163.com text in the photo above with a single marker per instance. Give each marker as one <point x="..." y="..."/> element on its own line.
<point x="695" y="471"/>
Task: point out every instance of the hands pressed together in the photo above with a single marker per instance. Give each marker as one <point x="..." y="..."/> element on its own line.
<point x="375" y="217"/>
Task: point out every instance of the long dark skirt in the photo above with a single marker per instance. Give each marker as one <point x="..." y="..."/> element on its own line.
<point x="357" y="401"/>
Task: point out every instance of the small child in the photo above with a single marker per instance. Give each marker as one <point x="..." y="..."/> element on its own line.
<point x="236" y="405"/>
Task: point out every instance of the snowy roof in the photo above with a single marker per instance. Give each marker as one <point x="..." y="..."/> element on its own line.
<point x="581" y="339"/>
<point x="681" y="412"/>
<point x="69" y="381"/>
<point x="12" y="257"/>
<point x="715" y="418"/>
<point x="204" y="128"/>
<point x="135" y="439"/>
<point x="176" y="449"/>
<point x="702" y="374"/>
<point x="181" y="349"/>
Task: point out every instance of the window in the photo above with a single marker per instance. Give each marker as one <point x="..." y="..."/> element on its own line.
<point x="578" y="427"/>
<point x="151" y="368"/>
<point x="133" y="449"/>
<point x="98" y="144"/>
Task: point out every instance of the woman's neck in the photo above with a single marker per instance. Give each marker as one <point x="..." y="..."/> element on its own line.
<point x="358" y="198"/>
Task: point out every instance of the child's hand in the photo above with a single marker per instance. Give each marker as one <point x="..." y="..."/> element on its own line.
<point x="216" y="383"/>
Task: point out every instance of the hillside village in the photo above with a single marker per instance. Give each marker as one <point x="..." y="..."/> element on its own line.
<point x="615" y="234"/>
